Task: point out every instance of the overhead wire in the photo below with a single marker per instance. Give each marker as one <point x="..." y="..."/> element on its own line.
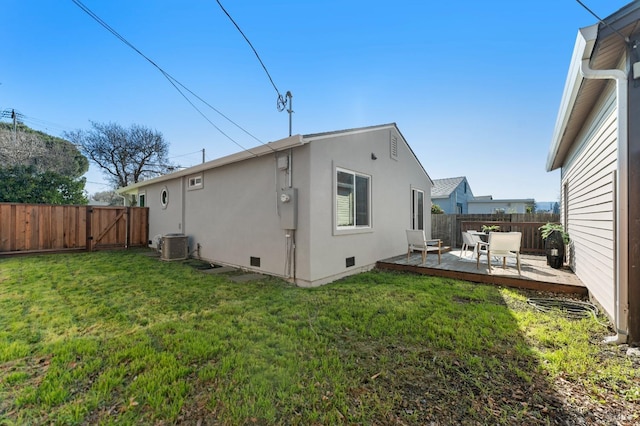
<point x="174" y="82"/>
<point x="185" y="155"/>
<point x="626" y="39"/>
<point x="282" y="102"/>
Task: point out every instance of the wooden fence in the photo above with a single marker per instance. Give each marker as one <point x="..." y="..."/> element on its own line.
<point x="449" y="228"/>
<point x="36" y="228"/>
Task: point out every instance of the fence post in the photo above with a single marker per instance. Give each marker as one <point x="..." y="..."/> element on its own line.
<point x="89" y="243"/>
<point x="127" y="227"/>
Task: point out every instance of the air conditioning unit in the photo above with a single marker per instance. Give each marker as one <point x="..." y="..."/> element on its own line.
<point x="174" y="247"/>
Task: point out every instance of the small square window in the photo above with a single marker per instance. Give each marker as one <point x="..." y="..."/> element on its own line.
<point x="195" y="182"/>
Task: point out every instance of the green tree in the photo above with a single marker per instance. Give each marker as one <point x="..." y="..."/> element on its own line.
<point x="436" y="209"/>
<point x="109" y="197"/>
<point x="125" y="155"/>
<point x="24" y="184"/>
<point x="43" y="152"/>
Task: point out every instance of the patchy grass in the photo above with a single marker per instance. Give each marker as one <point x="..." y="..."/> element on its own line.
<point x="118" y="337"/>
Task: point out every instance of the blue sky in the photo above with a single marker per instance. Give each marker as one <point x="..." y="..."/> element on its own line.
<point x="474" y="86"/>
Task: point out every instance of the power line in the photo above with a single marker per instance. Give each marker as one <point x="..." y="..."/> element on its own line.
<point x="282" y="102"/>
<point x="185" y="155"/>
<point x="626" y="39"/>
<point x="280" y="97"/>
<point x="174" y="82"/>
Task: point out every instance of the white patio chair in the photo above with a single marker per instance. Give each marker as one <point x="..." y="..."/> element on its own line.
<point x="469" y="240"/>
<point x="417" y="241"/>
<point x="501" y="244"/>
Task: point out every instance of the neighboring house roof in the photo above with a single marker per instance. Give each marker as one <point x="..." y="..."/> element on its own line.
<point x="580" y="94"/>
<point x="264" y="149"/>
<point x="442" y="188"/>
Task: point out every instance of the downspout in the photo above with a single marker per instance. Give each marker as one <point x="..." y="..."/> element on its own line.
<point x="621" y="231"/>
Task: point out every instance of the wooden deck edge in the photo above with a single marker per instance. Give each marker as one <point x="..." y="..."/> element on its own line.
<point x="487" y="279"/>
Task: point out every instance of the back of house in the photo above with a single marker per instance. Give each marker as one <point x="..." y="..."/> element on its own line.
<point x="310" y="209"/>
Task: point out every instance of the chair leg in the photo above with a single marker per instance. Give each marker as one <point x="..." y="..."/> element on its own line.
<point x="463" y="249"/>
<point x="424" y="256"/>
<point x="489" y="259"/>
<point x="518" y="261"/>
<point x="408" y="254"/>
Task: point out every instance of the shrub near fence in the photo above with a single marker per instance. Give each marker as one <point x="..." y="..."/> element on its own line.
<point x="449" y="228"/>
<point x="34" y="228"/>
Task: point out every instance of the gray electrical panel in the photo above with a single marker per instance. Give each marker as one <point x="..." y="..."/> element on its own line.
<point x="288" y="208"/>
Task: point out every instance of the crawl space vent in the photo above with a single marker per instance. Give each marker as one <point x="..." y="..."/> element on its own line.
<point x="350" y="261"/>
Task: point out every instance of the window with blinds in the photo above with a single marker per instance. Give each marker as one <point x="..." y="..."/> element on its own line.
<point x="352" y="199"/>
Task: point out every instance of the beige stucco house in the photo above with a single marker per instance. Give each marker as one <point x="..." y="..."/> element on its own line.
<point x="308" y="208"/>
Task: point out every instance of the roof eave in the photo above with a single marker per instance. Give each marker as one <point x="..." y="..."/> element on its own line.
<point x="583" y="48"/>
<point x="268" y="148"/>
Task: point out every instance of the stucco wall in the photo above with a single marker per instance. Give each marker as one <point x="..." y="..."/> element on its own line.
<point x="391" y="184"/>
<point x="164" y="220"/>
<point x="236" y="215"/>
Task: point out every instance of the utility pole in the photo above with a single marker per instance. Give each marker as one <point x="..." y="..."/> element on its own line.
<point x="15" y="135"/>
<point x="290" y="110"/>
<point x="203" y="155"/>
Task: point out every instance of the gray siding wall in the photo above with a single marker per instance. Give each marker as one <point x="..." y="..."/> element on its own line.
<point x="391" y="184"/>
<point x="458" y="196"/>
<point x="588" y="181"/>
<point x="446" y="204"/>
<point x="462" y="198"/>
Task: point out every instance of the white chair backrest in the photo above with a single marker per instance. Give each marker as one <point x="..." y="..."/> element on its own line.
<point x="468" y="239"/>
<point x="504" y="241"/>
<point x="475" y="238"/>
<point x="416" y="238"/>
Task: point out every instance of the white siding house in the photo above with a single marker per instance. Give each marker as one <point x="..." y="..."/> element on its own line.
<point x="487" y="205"/>
<point x="595" y="145"/>
<point x="308" y="208"/>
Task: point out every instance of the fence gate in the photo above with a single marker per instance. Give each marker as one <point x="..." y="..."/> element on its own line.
<point x="37" y="228"/>
<point x="116" y="227"/>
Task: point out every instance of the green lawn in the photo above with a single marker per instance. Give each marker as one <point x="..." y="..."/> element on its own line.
<point x="120" y="337"/>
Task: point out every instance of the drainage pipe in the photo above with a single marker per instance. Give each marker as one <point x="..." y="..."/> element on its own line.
<point x="621" y="231"/>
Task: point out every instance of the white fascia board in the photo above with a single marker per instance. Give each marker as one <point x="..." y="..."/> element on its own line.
<point x="268" y="148"/>
<point x="585" y="41"/>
